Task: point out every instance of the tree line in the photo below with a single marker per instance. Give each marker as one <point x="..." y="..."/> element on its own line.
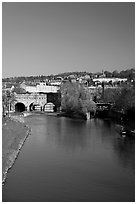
<point x="129" y="74"/>
<point x="122" y="98"/>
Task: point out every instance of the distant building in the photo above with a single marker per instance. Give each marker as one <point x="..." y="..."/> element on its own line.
<point x="85" y="77"/>
<point x="103" y="79"/>
<point x="36" y="101"/>
<point x="40" y="87"/>
<point x="7" y="87"/>
<point x="56" y="82"/>
<point x="72" y="78"/>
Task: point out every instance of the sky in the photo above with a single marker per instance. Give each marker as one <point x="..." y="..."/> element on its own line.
<point x="43" y="38"/>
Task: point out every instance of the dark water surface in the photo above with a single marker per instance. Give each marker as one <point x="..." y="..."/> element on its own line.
<point x="72" y="160"/>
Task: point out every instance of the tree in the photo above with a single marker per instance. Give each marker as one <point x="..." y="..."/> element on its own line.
<point x="19" y="90"/>
<point x="4" y="103"/>
<point x="123" y="98"/>
<point x="126" y="100"/>
<point x="8" y="99"/>
<point x="108" y="74"/>
<point x="115" y="74"/>
<point x="76" y="99"/>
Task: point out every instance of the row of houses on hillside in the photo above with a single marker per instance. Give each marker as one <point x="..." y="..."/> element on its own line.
<point x="53" y="84"/>
<point x="40" y="88"/>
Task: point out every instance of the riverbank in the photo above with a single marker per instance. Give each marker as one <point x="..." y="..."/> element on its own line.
<point x="66" y="158"/>
<point x="125" y="124"/>
<point x="14" y="134"/>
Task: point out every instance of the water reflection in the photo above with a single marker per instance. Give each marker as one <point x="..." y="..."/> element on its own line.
<point x="125" y="150"/>
<point x="72" y="135"/>
<point x="72" y="160"/>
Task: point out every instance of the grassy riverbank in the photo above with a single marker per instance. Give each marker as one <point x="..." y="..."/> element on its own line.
<point x="14" y="133"/>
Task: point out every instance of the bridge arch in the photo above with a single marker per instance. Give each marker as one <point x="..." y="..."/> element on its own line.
<point x="31" y="106"/>
<point x="19" y="107"/>
<point x="49" y="107"/>
<point x="35" y="107"/>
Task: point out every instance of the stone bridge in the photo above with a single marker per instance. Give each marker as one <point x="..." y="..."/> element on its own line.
<point x="27" y="101"/>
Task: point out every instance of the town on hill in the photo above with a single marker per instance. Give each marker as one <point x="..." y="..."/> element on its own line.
<point x="46" y="93"/>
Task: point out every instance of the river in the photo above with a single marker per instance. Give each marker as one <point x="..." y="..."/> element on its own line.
<point x="72" y="160"/>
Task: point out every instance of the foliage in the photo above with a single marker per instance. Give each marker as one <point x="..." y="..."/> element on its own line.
<point x="108" y="74"/>
<point x="129" y="74"/>
<point x="19" y="90"/>
<point x="111" y="95"/>
<point x="123" y="98"/>
<point x="8" y="98"/>
<point x="76" y="99"/>
<point x="126" y="99"/>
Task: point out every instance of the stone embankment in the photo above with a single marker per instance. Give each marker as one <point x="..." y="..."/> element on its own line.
<point x="14" y="134"/>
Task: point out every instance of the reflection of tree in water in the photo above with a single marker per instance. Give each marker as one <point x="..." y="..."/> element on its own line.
<point x="73" y="134"/>
<point x="125" y="151"/>
<point x="124" y="148"/>
<point x="105" y="130"/>
<point x="77" y="135"/>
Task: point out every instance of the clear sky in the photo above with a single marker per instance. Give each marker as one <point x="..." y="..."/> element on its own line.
<point x="42" y="38"/>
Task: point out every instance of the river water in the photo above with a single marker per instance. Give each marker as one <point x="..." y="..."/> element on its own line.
<point x="72" y="160"/>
